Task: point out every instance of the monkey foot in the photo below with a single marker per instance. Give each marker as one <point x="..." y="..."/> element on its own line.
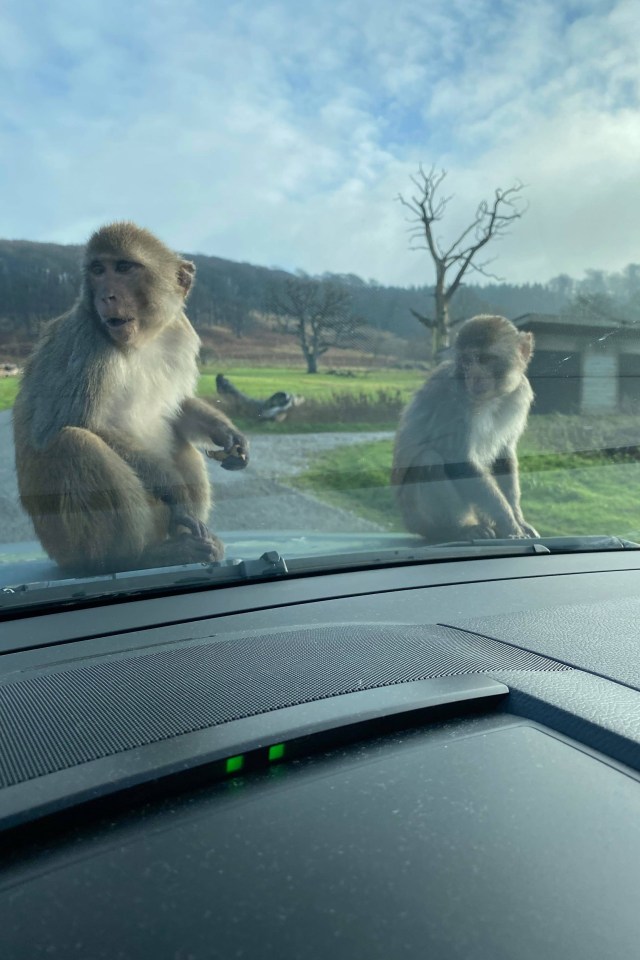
<point x="480" y="531"/>
<point x="184" y="549"/>
<point x="190" y="526"/>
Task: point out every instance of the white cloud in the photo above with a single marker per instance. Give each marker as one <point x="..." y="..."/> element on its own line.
<point x="280" y="134"/>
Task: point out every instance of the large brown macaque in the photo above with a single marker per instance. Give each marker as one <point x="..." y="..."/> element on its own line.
<point x="455" y="466"/>
<point x="106" y="420"/>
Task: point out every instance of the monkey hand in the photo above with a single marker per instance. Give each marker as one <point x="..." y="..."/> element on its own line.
<point x="235" y="452"/>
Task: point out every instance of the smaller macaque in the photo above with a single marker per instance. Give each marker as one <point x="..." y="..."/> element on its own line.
<point x="455" y="466"/>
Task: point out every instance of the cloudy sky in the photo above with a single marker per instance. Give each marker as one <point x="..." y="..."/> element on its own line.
<point x="280" y="132"/>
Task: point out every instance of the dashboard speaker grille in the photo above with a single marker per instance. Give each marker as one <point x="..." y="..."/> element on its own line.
<point x="56" y="718"/>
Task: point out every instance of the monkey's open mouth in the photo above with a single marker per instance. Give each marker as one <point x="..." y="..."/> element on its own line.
<point x="118" y="321"/>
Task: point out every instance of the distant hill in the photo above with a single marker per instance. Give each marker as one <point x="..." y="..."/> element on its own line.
<point x="40" y="280"/>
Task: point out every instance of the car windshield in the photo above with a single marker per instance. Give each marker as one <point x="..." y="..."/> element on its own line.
<point x="294" y="287"/>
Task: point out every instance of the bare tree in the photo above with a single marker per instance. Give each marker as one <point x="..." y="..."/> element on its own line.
<point x="491" y="221"/>
<point x="316" y="312"/>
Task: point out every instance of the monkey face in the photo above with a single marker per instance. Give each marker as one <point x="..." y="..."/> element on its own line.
<point x="491" y="357"/>
<point x="476" y="372"/>
<point x="489" y="373"/>
<point x="133" y="285"/>
<point x="116" y="292"/>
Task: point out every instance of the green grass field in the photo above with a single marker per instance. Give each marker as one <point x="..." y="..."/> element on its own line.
<point x="561" y="494"/>
<point x="263" y="381"/>
<point x="356" y="478"/>
<point x="367" y="400"/>
<point x="8" y="390"/>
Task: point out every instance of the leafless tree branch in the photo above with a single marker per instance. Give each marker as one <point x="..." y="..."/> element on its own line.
<point x="491" y="221"/>
<point x="318" y="313"/>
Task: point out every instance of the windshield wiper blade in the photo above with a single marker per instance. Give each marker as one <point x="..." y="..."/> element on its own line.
<point x="389" y="556"/>
<point x="270" y="565"/>
<point x="459" y="550"/>
<point x="135" y="582"/>
<point x="571" y="544"/>
<point x="588" y="543"/>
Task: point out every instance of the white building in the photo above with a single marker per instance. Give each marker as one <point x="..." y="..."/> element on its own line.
<point x="583" y="365"/>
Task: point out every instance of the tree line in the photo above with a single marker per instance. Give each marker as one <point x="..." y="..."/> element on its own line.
<point x="40" y="280"/>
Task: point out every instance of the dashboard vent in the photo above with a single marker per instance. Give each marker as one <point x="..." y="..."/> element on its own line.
<point x="56" y="718"/>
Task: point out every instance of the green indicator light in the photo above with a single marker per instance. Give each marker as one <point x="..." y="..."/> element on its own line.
<point x="234" y="764"/>
<point x="276" y="752"/>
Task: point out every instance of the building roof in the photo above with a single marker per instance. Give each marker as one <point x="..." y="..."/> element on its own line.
<point x="553" y="320"/>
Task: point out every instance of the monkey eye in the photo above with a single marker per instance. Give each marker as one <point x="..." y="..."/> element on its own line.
<point x="96" y="268"/>
<point x="124" y="266"/>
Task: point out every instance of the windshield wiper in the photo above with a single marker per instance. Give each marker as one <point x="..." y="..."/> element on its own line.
<point x="585" y="544"/>
<point x="391" y="556"/>
<point x="131" y="583"/>
<point x="459" y="550"/>
<point x="571" y="544"/>
<point x="270" y="565"/>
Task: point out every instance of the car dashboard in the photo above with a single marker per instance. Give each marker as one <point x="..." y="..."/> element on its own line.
<point x="427" y="759"/>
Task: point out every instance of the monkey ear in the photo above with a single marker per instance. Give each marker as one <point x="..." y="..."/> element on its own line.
<point x="186" y="273"/>
<point x="526" y="346"/>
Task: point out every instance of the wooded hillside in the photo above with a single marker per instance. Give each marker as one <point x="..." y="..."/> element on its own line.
<point x="40" y="280"/>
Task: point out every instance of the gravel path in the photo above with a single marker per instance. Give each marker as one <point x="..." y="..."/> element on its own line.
<point x="257" y="498"/>
<point x="14" y="525"/>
